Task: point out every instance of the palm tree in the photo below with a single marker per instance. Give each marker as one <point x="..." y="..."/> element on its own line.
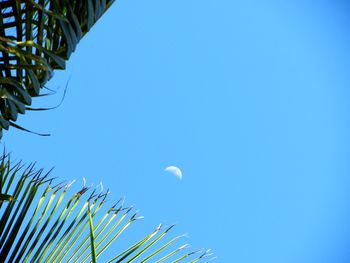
<point x="38" y="222"/>
<point x="44" y="222"/>
<point x="37" y="37"/>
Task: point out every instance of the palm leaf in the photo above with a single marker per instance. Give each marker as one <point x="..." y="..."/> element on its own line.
<point x="48" y="222"/>
<point x="37" y="37"/>
<point x="4" y="198"/>
<point x="92" y="238"/>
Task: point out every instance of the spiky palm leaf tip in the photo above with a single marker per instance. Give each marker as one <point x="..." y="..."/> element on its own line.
<point x="37" y="37"/>
<point x="46" y="222"/>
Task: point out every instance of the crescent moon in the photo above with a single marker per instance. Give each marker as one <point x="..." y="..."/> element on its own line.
<point x="175" y="171"/>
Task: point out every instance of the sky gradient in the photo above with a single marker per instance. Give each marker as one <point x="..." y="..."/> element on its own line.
<point x="249" y="98"/>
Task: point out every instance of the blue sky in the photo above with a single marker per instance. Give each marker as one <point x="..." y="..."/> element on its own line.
<point x="249" y="98"/>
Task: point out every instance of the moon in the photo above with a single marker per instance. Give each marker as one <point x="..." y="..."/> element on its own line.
<point x="175" y="171"/>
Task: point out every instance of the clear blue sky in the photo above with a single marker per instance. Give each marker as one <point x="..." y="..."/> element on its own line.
<point x="249" y="98"/>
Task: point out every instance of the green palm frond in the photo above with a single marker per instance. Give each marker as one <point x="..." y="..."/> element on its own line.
<point x="37" y="37"/>
<point x="6" y="198"/>
<point x="44" y="222"/>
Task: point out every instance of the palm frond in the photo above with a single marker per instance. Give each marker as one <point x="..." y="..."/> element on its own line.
<point x="46" y="222"/>
<point x="37" y="37"/>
